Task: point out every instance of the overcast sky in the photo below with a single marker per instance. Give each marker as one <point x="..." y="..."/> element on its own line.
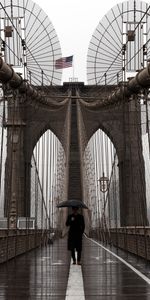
<point x="74" y="22"/>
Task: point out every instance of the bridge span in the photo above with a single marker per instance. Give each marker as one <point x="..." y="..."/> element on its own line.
<point x="89" y="142"/>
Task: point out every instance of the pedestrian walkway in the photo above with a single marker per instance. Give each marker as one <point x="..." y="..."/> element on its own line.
<point x="45" y="273"/>
<point x="41" y="274"/>
<point x="109" y="277"/>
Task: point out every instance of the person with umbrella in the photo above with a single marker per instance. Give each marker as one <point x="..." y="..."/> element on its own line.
<point x="76" y="224"/>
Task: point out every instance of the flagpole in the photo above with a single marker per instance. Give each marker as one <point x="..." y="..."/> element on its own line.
<point x="73" y="70"/>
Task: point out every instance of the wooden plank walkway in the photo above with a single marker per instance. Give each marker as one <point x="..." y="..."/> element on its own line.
<point x="108" y="278"/>
<point x="42" y="274"/>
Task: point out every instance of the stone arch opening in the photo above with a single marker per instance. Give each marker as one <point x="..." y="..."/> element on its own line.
<point x="101" y="181"/>
<point x="47" y="180"/>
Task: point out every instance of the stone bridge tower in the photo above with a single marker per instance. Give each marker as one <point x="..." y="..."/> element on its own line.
<point x="74" y="118"/>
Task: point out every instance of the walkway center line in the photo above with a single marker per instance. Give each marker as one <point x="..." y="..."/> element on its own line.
<point x="75" y="288"/>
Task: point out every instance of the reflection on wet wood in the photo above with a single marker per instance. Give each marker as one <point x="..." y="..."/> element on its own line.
<point x="107" y="278"/>
<point x="40" y="274"/>
<point x="43" y="274"/>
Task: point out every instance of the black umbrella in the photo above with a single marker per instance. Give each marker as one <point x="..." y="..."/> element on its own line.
<point x="72" y="203"/>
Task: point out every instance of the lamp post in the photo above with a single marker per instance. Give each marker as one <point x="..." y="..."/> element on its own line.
<point x="104" y="182"/>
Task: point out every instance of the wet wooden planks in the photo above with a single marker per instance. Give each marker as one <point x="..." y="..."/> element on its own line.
<point x="41" y="274"/>
<point x="107" y="278"/>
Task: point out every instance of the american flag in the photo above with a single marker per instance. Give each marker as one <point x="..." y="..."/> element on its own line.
<point x="64" y="62"/>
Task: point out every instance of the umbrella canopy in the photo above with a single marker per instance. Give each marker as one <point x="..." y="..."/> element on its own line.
<point x="72" y="203"/>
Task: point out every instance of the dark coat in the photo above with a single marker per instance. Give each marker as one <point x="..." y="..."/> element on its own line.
<point x="76" y="223"/>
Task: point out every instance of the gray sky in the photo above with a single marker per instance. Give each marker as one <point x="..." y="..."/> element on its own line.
<point x="74" y="22"/>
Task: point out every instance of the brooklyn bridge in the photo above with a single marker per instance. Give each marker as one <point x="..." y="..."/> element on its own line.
<point x="71" y="140"/>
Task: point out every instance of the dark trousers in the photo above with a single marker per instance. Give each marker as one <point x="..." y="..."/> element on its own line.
<point x="74" y="257"/>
